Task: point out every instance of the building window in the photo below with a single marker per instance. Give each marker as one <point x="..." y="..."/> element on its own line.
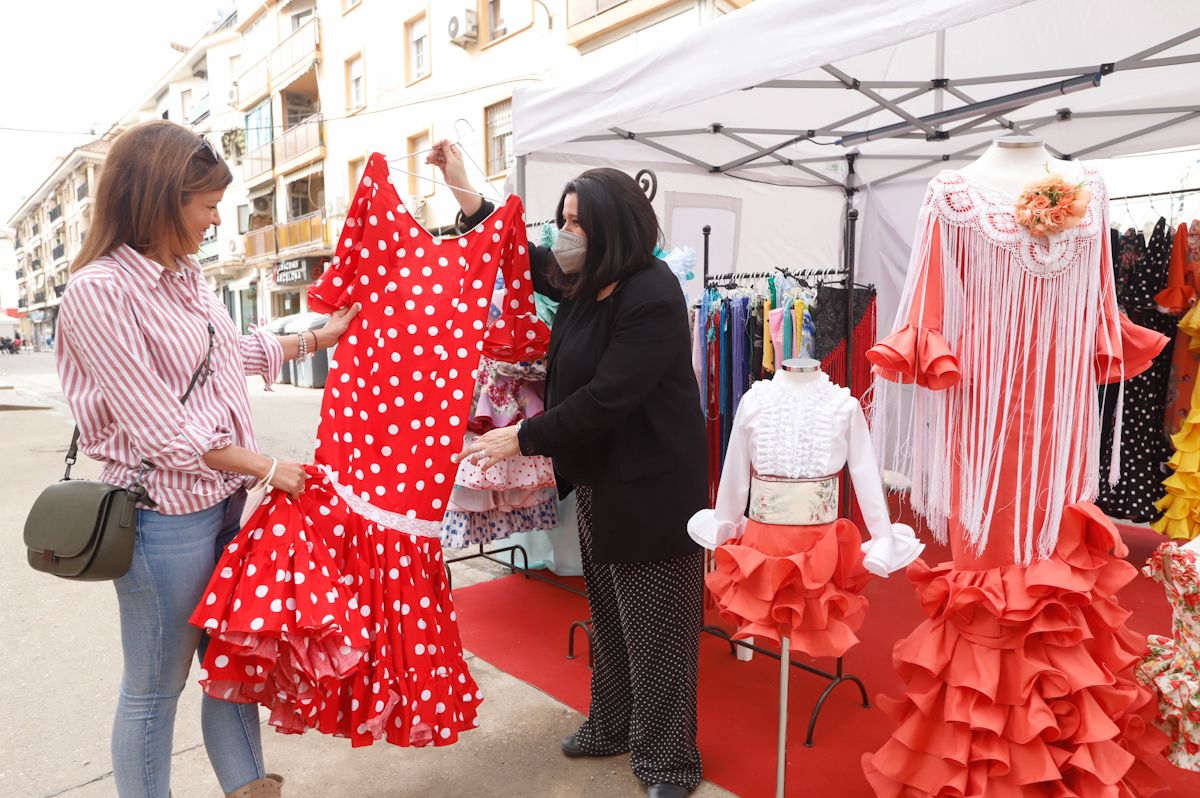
<point x="418" y="149"/>
<point x="355" y="172"/>
<point x="185" y="100"/>
<point x="258" y="126"/>
<point x="495" y="18"/>
<point x="498" y="120"/>
<point x="416" y="41"/>
<point x="356" y="89"/>
<point x="300" y="18"/>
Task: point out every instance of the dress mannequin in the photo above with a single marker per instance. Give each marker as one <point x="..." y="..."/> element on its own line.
<point x="1014" y="161"/>
<point x="786" y="564"/>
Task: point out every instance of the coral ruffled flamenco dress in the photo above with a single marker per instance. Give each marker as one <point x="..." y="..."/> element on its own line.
<point x="1019" y="681"/>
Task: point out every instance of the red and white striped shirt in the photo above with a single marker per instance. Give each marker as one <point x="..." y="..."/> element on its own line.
<point x="130" y="334"/>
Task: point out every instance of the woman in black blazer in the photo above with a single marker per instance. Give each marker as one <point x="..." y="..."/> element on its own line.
<point x="623" y="424"/>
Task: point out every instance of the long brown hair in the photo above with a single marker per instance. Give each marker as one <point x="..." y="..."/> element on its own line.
<point x="621" y="227"/>
<point x="150" y="172"/>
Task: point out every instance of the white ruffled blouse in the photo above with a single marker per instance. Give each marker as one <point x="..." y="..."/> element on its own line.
<point x="806" y="430"/>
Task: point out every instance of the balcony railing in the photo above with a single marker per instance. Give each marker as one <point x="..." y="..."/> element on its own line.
<point x="59" y="251"/>
<point x="253" y="83"/>
<point x="81" y="192"/>
<point x="296" y="49"/>
<point x="303" y="138"/>
<point x="55" y="213"/>
<point x="199" y="110"/>
<point x="309" y="229"/>
<point x="257" y="163"/>
<point x="209" y="247"/>
<point x="260" y="243"/>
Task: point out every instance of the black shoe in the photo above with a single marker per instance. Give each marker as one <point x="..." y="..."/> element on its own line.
<point x="666" y="791"/>
<point x="570" y="746"/>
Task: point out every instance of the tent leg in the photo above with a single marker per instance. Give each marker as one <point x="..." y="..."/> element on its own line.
<point x="520" y="181"/>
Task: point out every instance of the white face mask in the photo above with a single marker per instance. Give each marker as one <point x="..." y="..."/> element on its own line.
<point x="570" y="250"/>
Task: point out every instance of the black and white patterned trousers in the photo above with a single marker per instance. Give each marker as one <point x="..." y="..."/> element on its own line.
<point x="646" y="619"/>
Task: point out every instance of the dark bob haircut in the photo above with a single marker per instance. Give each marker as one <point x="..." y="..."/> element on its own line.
<point x="621" y="228"/>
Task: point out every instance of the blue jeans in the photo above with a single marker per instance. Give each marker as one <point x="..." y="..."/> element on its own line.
<point x="173" y="559"/>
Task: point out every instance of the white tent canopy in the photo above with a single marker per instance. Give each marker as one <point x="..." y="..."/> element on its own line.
<point x="869" y="94"/>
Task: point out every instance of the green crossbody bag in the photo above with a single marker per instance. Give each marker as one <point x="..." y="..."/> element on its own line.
<point x="84" y="530"/>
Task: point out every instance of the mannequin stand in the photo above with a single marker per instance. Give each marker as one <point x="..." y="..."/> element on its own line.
<point x="839" y="676"/>
<point x="781" y="752"/>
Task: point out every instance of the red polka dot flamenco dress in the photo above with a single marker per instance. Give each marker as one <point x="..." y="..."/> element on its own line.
<point x="333" y="610"/>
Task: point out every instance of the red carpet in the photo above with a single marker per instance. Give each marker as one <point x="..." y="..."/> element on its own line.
<point x="520" y="626"/>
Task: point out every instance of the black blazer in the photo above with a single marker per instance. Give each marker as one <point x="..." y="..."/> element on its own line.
<point x="623" y="412"/>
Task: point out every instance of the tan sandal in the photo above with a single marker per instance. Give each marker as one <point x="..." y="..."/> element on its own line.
<point x="259" y="788"/>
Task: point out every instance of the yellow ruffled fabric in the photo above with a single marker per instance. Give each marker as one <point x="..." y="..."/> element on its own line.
<point x="1181" y="504"/>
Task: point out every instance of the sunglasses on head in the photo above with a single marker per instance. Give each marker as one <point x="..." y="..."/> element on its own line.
<point x="207" y="147"/>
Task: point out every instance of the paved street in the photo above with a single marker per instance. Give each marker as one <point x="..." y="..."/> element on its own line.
<point x="60" y="667"/>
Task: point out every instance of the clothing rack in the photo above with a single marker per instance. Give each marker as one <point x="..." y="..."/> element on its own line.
<point x="1150" y="194"/>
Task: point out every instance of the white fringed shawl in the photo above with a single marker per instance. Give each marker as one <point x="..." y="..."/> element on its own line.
<point x="1025" y="318"/>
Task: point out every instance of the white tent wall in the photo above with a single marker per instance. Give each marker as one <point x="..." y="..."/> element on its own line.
<point x="772" y="226"/>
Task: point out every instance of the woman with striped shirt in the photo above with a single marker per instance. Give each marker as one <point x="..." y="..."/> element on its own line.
<point x="134" y="324"/>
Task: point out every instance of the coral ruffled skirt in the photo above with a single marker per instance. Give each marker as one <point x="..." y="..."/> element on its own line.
<point x="1019" y="681"/>
<point x="804" y="582"/>
<point x="337" y="624"/>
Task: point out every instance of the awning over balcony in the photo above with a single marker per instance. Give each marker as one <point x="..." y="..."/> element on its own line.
<point x="305" y="171"/>
<point x="301" y="70"/>
<point x="260" y="191"/>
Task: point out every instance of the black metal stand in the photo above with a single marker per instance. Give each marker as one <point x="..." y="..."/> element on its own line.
<point x="511" y="564"/>
<point x="586" y="626"/>
<point x="839" y="676"/>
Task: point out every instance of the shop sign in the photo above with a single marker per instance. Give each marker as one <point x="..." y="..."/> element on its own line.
<point x="37" y="316"/>
<point x="296" y="271"/>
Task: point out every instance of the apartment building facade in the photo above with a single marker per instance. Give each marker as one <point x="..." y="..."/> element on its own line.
<point x="298" y="93"/>
<point x="48" y="230"/>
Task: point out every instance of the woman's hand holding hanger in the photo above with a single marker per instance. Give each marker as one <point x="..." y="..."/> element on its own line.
<point x="446" y="156"/>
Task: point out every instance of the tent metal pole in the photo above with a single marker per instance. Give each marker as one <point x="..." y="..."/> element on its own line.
<point x="759" y="152"/>
<point x="939" y="70"/>
<point x="960" y="155"/>
<point x="1136" y="134"/>
<point x="892" y="106"/>
<point x="1147" y="195"/>
<point x="520" y="179"/>
<point x="649" y="142"/>
<point x="1158" y="48"/>
<point x="1006" y="102"/>
<point x="1016" y="127"/>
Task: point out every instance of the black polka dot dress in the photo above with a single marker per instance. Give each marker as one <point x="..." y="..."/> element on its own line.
<point x="646" y="619"/>
<point x="1145" y="446"/>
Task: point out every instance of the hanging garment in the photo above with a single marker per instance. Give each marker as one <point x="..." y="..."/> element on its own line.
<point x="1172" y="668"/>
<point x="333" y="609"/>
<point x="829" y="335"/>
<point x="1180" y="505"/>
<point x="793" y="567"/>
<point x="769" y="362"/>
<point x="1177" y="299"/>
<point x="1019" y="680"/>
<point x="1145" y="446"/>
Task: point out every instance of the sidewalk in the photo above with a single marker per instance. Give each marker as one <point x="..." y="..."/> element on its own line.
<point x="59" y="672"/>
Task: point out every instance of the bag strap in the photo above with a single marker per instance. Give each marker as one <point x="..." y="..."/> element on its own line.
<point x="145" y="466"/>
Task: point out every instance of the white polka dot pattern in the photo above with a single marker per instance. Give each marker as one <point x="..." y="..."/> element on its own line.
<point x="646" y="619"/>
<point x="332" y="619"/>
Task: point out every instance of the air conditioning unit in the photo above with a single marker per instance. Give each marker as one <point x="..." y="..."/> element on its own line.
<point x="262" y="204"/>
<point x="464" y="28"/>
<point x="233" y="91"/>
